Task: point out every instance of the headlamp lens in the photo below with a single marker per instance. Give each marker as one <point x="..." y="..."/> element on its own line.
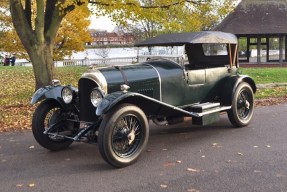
<point x="96" y="97"/>
<point x="67" y="95"/>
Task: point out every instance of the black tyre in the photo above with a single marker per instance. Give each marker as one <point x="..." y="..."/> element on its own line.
<point x="242" y="106"/>
<point x="47" y="114"/>
<point x="123" y="134"/>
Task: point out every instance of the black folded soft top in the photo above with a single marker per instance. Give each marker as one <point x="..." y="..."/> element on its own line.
<point x="178" y="39"/>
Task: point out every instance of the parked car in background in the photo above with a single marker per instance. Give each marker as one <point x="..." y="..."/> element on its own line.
<point x="180" y="75"/>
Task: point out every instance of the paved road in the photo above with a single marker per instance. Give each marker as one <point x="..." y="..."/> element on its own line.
<point x="215" y="158"/>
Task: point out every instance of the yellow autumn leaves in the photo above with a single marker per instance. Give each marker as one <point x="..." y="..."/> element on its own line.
<point x="72" y="34"/>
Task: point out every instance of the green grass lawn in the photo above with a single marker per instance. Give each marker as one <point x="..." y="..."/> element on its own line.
<point x="266" y="75"/>
<point x="17" y="87"/>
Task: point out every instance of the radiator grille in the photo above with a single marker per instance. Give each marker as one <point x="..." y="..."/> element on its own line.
<point x="87" y="110"/>
<point x="147" y="92"/>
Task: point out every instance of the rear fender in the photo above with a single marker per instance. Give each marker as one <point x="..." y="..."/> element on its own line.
<point x="230" y="87"/>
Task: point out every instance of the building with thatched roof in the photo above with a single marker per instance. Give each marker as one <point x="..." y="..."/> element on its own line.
<point x="261" y="26"/>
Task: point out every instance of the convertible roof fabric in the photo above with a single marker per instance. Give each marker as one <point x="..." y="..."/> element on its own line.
<point x="177" y="39"/>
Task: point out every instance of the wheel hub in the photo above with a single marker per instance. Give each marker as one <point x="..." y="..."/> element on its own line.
<point x="131" y="137"/>
<point x="247" y="104"/>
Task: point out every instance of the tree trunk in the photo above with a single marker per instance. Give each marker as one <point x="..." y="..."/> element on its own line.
<point x="38" y="39"/>
<point x="43" y="66"/>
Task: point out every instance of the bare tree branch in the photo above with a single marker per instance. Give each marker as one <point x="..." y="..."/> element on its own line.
<point x="28" y="11"/>
<point x="151" y="6"/>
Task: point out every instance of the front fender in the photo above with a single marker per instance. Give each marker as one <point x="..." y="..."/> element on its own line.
<point x="230" y="87"/>
<point x="111" y="100"/>
<point x="47" y="92"/>
<point x="55" y="93"/>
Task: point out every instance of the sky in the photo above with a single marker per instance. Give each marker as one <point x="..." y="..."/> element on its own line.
<point x="102" y="23"/>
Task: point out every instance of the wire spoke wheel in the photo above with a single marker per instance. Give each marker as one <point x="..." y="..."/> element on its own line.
<point x="243" y="104"/>
<point x="242" y="109"/>
<point x="126" y="135"/>
<point x="123" y="134"/>
<point x="54" y="116"/>
<point x="49" y="114"/>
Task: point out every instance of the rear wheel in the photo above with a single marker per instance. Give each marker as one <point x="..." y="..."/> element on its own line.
<point x="49" y="113"/>
<point x="242" y="106"/>
<point x="123" y="134"/>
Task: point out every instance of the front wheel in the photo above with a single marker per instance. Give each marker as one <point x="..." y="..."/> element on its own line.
<point x="123" y="134"/>
<point x="242" y="106"/>
<point x="49" y="113"/>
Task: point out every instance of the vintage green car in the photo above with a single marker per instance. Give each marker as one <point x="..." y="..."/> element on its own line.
<point x="180" y="75"/>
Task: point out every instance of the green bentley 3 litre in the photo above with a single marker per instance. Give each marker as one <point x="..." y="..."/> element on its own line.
<point x="178" y="75"/>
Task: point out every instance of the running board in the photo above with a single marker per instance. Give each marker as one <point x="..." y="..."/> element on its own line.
<point x="207" y="113"/>
<point x="202" y="109"/>
<point x="223" y="108"/>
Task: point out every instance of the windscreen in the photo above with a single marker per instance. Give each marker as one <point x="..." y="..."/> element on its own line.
<point x="210" y="49"/>
<point x="174" y="53"/>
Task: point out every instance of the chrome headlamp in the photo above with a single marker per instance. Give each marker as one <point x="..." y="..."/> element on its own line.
<point x="67" y="95"/>
<point x="56" y="82"/>
<point x="96" y="97"/>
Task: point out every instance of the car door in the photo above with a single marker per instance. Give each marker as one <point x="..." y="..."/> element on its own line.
<point x="195" y="85"/>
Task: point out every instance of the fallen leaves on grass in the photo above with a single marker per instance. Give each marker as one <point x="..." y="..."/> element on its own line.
<point x="271" y="101"/>
<point x="17" y="87"/>
<point x="17" y="117"/>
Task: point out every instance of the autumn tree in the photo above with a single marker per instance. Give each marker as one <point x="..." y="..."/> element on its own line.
<point x="73" y="33"/>
<point x="38" y="28"/>
<point x="71" y="36"/>
<point x="154" y="17"/>
<point x="9" y="41"/>
<point x="37" y="23"/>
